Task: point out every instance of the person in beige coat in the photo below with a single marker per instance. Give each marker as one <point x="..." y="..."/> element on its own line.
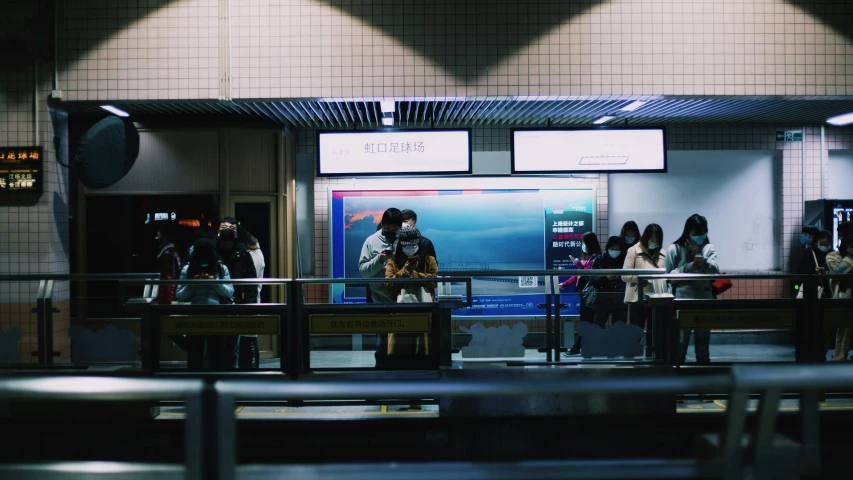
<point x="645" y="255"/>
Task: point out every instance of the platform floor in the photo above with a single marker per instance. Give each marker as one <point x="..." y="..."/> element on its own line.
<point x="719" y="353"/>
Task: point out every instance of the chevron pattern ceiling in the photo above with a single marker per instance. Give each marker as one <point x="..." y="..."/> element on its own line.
<point x="352" y="114"/>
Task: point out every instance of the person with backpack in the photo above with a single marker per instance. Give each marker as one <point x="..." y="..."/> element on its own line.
<point x="204" y="264"/>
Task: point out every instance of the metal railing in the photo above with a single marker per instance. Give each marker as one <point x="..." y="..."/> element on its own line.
<point x="44" y="309"/>
<point x="211" y="438"/>
<point x="809" y="313"/>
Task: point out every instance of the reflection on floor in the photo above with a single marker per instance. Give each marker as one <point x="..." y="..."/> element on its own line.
<point x="706" y="406"/>
<point x="320" y="413"/>
<point x="719" y="353"/>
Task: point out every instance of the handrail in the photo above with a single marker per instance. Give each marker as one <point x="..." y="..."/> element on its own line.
<point x="98" y="388"/>
<point x="735" y="276"/>
<point x="77" y="277"/>
<point x="551" y="273"/>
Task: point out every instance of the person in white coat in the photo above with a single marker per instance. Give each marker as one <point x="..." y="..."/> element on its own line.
<point x="644" y="255"/>
<point x="693" y="253"/>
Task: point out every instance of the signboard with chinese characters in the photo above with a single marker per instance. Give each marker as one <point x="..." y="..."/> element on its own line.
<point x="393" y="152"/>
<point x="588" y="150"/>
<point x="219" y="325"/>
<point x="357" y="323"/>
<point x="21" y="170"/>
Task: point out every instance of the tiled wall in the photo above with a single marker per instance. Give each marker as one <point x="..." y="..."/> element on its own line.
<point x="33" y="237"/>
<point x="422" y="48"/>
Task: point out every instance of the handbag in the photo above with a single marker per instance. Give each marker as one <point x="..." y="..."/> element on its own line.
<point x="721" y="286"/>
<point x="589" y="295"/>
<point x="819" y="287"/>
<point x="415" y="295"/>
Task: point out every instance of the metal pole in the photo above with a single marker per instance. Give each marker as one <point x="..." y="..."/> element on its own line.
<point x="822" y="153"/>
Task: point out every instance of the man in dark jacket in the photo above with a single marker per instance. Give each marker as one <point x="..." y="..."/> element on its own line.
<point x="425" y="246"/>
<point x="236" y="256"/>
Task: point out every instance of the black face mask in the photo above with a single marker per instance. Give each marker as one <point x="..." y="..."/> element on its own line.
<point x="227" y="235"/>
<point x="390" y="236"/>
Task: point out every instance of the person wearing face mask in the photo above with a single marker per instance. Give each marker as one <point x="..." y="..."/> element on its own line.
<point x="630" y="233"/>
<point x="645" y="255"/>
<point x="611" y="289"/>
<point x="694" y="253"/>
<point x="411" y="218"/>
<point x="810" y="254"/>
<point x="236" y="255"/>
<point x="841" y="263"/>
<point x="410" y="261"/>
<point x="375" y="253"/>
<point x="591" y="252"/>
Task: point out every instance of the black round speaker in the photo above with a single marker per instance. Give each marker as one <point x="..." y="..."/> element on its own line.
<point x="106" y="152"/>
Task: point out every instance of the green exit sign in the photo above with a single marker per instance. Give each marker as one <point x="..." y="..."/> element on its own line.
<point x="789" y="136"/>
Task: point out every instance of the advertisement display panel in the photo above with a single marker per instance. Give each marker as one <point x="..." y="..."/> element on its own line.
<point x="524" y="229"/>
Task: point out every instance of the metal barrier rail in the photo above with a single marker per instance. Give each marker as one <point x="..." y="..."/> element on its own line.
<point x="211" y="423"/>
<point x="809" y="313"/>
<point x="44" y="308"/>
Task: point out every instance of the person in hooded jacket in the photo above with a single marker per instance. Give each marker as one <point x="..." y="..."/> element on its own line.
<point x="693" y="252"/>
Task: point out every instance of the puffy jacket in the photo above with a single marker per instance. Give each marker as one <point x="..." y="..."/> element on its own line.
<point x="205" y="294"/>
<point x="169" y="266"/>
<point x="241" y="265"/>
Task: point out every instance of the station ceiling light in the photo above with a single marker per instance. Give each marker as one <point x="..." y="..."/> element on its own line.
<point x="117" y="111"/>
<point x="604" y="119"/>
<point x="841" y="120"/>
<point x="387" y="106"/>
<point x="634" y="105"/>
<point x="388" y="121"/>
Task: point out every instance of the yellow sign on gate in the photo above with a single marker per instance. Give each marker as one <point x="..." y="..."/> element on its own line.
<point x="736" y="319"/>
<point x="365" y="323"/>
<point x="219" y="324"/>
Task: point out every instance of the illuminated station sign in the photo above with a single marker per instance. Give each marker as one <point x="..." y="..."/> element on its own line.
<point x="21" y="170"/>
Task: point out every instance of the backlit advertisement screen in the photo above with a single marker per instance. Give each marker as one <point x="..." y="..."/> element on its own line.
<point x="472" y="230"/>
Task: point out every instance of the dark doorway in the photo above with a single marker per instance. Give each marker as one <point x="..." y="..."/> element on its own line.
<point x="255" y="218"/>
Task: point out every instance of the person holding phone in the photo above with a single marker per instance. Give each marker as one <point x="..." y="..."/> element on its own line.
<point x="375" y="253"/>
<point x="645" y="255"/>
<point x="693" y="252"/>
<point x="591" y="249"/>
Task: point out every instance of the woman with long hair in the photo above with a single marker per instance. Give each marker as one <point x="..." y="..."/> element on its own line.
<point x="204" y="264"/>
<point x="591" y="251"/>
<point x="693" y="252"/>
<point x="630" y="233"/>
<point x="645" y="255"/>
<point x="611" y="289"/>
<point x="841" y="263"/>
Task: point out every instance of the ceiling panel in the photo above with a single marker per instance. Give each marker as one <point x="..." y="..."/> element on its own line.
<point x="495" y="111"/>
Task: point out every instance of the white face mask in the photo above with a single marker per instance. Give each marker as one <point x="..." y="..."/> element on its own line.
<point x="410" y="251"/>
<point x="824" y="248"/>
<point x="653" y="245"/>
<point x="583" y="248"/>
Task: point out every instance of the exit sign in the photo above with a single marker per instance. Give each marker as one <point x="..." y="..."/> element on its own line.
<point x="789" y="136"/>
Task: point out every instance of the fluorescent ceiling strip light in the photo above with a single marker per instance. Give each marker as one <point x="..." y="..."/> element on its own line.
<point x="388" y="121"/>
<point x="387" y="106"/>
<point x="841" y="120"/>
<point x="633" y="106"/>
<point x="603" y="119"/>
<point x="117" y="111"/>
